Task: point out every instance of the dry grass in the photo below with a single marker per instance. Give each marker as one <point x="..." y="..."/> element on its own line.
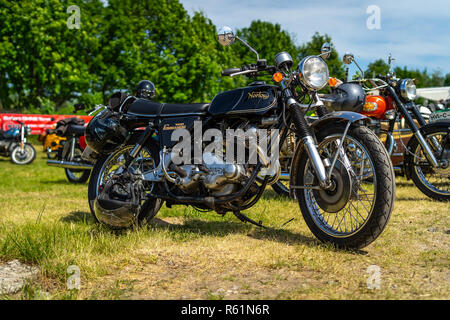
<point x="184" y="254"/>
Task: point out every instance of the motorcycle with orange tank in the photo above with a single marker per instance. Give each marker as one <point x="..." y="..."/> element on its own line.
<point x="426" y="156"/>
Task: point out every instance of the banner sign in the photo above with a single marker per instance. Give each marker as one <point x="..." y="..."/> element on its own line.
<point x="37" y="122"/>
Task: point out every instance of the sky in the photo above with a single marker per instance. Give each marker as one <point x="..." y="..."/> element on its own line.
<point x="415" y="32"/>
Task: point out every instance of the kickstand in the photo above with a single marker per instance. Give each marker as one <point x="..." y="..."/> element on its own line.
<point x="244" y="219"/>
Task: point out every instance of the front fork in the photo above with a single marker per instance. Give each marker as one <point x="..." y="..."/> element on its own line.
<point x="320" y="166"/>
<point x="22" y="139"/>
<point x="409" y="120"/>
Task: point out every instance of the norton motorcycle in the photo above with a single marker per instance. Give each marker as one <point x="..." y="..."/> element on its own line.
<point x="13" y="143"/>
<point x="72" y="145"/>
<point x="426" y="156"/>
<point x="340" y="172"/>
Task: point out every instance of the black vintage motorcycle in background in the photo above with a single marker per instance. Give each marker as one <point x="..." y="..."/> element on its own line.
<point x="13" y="143"/>
<point x="426" y="158"/>
<point x="68" y="157"/>
<point x="340" y="171"/>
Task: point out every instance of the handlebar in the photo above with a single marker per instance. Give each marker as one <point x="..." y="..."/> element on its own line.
<point x="230" y="71"/>
<point x="250" y="69"/>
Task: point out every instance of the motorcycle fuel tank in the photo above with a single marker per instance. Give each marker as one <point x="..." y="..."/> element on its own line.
<point x="249" y="100"/>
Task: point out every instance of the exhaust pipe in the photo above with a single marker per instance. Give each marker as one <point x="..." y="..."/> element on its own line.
<point x="69" y="165"/>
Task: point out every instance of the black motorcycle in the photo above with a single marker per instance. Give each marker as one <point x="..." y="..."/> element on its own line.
<point x="13" y="143"/>
<point x="426" y="156"/>
<point x="68" y="157"/>
<point x="340" y="172"/>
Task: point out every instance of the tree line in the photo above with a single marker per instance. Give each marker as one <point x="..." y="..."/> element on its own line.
<point x="46" y="67"/>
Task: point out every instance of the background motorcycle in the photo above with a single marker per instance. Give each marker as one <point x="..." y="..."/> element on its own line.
<point x="76" y="169"/>
<point x="13" y="143"/>
<point x="340" y="172"/>
<point x="426" y="157"/>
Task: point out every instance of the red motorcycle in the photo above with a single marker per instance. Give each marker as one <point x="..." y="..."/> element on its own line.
<point x="424" y="156"/>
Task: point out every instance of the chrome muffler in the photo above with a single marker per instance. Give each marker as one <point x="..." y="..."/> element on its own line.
<point x="70" y="165"/>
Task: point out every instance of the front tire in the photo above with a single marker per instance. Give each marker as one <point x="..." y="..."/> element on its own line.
<point x="371" y="199"/>
<point x="25" y="156"/>
<point x="435" y="183"/>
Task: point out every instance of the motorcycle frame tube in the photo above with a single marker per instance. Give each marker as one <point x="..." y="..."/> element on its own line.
<point x="410" y="121"/>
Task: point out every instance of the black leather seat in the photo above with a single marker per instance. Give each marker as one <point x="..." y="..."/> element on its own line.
<point x="157" y="109"/>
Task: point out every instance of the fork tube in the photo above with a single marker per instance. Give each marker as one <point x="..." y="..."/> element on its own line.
<point x="306" y="135"/>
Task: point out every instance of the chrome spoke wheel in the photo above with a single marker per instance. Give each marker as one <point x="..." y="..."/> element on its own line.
<point x="437" y="180"/>
<point x="340" y="212"/>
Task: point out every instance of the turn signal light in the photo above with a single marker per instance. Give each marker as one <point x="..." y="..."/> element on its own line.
<point x="370" y="106"/>
<point x="332" y="82"/>
<point x="277" y="77"/>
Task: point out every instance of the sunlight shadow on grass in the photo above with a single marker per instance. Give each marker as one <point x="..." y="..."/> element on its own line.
<point x="269" y="194"/>
<point x="78" y="217"/>
<point x="53" y="182"/>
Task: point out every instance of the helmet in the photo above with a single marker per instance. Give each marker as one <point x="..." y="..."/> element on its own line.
<point x="145" y="90"/>
<point x="346" y="97"/>
<point x="115" y="208"/>
<point x="104" y="133"/>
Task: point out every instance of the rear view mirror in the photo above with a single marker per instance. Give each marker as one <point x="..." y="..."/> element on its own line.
<point x="226" y="36"/>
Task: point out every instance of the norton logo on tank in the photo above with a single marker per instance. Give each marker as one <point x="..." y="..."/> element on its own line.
<point x="258" y="95"/>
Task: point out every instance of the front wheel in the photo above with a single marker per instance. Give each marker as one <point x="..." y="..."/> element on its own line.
<point x="433" y="182"/>
<point x="357" y="208"/>
<point x="23" y="155"/>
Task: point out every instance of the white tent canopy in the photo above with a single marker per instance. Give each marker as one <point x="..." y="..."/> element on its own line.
<point x="434" y="94"/>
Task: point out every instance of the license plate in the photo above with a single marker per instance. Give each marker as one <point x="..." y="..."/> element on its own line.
<point x="440" y="116"/>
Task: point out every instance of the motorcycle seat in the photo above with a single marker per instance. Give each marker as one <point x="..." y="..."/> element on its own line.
<point x="74" y="129"/>
<point x="156" y="109"/>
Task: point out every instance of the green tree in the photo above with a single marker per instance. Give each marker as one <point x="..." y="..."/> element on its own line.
<point x="375" y="68"/>
<point x="43" y="63"/>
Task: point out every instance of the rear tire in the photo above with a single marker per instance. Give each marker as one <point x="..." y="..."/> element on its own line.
<point x="73" y="175"/>
<point x="149" y="208"/>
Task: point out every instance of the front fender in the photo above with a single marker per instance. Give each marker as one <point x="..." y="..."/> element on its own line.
<point x="334" y="117"/>
<point x="340" y="116"/>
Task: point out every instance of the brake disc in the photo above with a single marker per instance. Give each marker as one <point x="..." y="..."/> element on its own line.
<point x="336" y="198"/>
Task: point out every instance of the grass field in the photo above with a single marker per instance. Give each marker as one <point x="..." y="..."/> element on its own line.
<point x="185" y="254"/>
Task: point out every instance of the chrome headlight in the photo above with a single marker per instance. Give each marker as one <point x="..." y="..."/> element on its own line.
<point x="313" y="72"/>
<point x="408" y="89"/>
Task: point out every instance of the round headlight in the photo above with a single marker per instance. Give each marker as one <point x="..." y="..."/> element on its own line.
<point x="313" y="72"/>
<point x="408" y="89"/>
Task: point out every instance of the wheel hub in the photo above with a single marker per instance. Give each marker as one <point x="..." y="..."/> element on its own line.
<point x="336" y="197"/>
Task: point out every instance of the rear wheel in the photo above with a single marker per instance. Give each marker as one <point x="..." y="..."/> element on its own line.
<point x="111" y="165"/>
<point x="77" y="175"/>
<point x="358" y="207"/>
